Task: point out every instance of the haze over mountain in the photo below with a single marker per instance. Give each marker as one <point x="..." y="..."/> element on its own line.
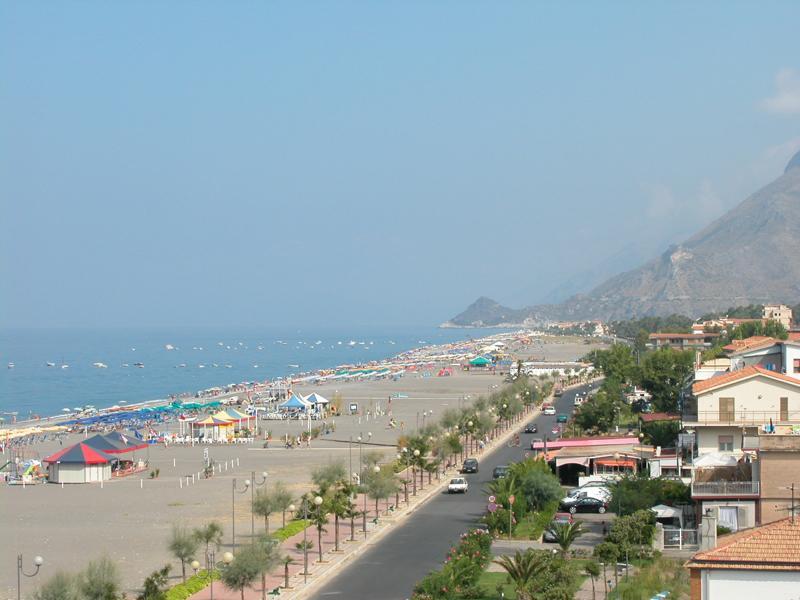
<point x="749" y="255"/>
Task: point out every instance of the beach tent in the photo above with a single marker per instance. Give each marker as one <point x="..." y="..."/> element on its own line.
<point x="79" y="464"/>
<point x="241" y="419"/>
<point x="294" y="403"/>
<point x="103" y="444"/>
<point x="214" y="428"/>
<point x="315" y="398"/>
<point x="480" y="361"/>
<point x="126" y="443"/>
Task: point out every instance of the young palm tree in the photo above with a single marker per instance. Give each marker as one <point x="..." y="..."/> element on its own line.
<point x="267" y="555"/>
<point x="340" y="505"/>
<point x="523" y="569"/>
<point x="381" y="486"/>
<point x="183" y="546"/>
<point x="566" y="534"/>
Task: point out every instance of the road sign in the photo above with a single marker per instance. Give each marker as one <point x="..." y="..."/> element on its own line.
<point x="492" y="499"/>
<point x="511" y="499"/>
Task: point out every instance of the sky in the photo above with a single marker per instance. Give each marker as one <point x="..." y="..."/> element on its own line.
<point x="383" y="163"/>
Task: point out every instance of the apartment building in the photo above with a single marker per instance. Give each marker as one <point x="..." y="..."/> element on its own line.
<point x="682" y="341"/>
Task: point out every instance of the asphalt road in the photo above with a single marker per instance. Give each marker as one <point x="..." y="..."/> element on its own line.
<point x="389" y="570"/>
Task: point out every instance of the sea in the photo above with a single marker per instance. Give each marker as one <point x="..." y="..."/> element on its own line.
<point x="43" y="372"/>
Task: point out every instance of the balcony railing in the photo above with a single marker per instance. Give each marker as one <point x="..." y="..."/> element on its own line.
<point x="740" y="417"/>
<point x="726" y="488"/>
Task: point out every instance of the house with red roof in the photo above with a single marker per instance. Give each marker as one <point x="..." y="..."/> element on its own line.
<point x="762" y="562"/>
<point x="736" y="417"/>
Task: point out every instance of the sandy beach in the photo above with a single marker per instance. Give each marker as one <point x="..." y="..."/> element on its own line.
<point x="129" y="518"/>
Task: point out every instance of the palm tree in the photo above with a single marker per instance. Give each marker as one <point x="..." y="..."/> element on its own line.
<point x="566" y="534"/>
<point x="380" y="486"/>
<point x="286" y="560"/>
<point x="100" y="580"/>
<point x="592" y="569"/>
<point x="340" y="505"/>
<point x="263" y="507"/>
<point x="209" y="535"/>
<point x="522" y="569"/>
<point x="183" y="546"/>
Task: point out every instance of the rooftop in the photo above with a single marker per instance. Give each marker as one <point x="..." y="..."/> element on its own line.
<point x="734" y="376"/>
<point x="755" y="341"/>
<point x="772" y="547"/>
<point x="681" y="336"/>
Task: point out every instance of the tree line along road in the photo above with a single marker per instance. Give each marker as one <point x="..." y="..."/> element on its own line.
<point x="389" y="570"/>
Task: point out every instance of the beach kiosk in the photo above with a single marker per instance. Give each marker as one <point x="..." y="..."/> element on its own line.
<point x="295" y="404"/>
<point x="480" y="362"/>
<point x="213" y="428"/>
<point x="79" y="464"/>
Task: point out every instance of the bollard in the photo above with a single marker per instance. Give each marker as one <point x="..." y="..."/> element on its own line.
<point x="180" y="481"/>
<point x="101" y="484"/>
<point x="192" y="478"/>
<point x="226" y="466"/>
<point x="173" y="462"/>
<point x="237" y="461"/>
<point x="141" y="484"/>
<point x="62" y="485"/>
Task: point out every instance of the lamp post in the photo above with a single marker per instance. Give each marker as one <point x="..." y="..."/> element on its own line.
<point x="38" y="561"/>
<point x="405" y="479"/>
<point x="414" y="469"/>
<point x="256" y="484"/>
<point x="469" y="430"/>
<point x="318" y="504"/>
<point x="234" y="491"/>
<point x="505" y="413"/>
<point x="195" y="564"/>
<point x="641" y="450"/>
<point x="360" y="463"/>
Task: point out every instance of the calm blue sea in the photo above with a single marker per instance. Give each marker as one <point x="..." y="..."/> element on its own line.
<point x="245" y="355"/>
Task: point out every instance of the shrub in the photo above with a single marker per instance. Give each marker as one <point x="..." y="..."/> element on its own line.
<point x="294" y="526"/>
<point x="193" y="584"/>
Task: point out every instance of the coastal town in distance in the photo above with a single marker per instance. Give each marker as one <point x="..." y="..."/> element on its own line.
<point x="399" y="301"/>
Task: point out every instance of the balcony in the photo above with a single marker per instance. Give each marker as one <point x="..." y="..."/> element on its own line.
<point x="739" y="418"/>
<point x="727" y="489"/>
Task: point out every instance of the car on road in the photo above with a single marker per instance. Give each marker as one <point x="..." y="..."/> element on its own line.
<point x="558" y="519"/>
<point x="562" y="418"/>
<point x="500" y="472"/>
<point x="585" y="504"/>
<point x="457" y="485"/>
<point x="470" y="466"/>
<point x="531" y="428"/>
<point x="556" y="430"/>
<point x="548" y="409"/>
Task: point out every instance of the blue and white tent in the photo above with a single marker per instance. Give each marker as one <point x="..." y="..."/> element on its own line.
<point x="315" y="398"/>
<point x="295" y="403"/>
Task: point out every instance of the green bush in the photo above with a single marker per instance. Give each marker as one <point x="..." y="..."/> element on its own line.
<point x="459" y="576"/>
<point x="194" y="584"/>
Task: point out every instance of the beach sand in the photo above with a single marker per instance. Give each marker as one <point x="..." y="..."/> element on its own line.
<point x="130" y="519"/>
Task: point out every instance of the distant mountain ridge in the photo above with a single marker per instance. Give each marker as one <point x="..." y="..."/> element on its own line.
<point x="747" y="256"/>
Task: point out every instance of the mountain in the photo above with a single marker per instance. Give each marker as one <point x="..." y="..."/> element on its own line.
<point x="747" y="256"/>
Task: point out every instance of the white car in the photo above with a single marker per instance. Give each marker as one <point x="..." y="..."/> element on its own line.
<point x="549" y="409"/>
<point x="457" y="485"/>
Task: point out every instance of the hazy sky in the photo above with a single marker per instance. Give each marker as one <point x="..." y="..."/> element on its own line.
<point x="255" y="163"/>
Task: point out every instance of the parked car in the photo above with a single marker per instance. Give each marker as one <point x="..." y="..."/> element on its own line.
<point x="558" y="518"/>
<point x="470" y="466"/>
<point x="562" y="418"/>
<point x="585" y="504"/>
<point x="500" y="472"/>
<point x="548" y="409"/>
<point x="457" y="485"/>
<point x="531" y="428"/>
<point x="594" y="491"/>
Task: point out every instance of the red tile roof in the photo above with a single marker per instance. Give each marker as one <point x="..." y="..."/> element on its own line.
<point x="772" y="547"/>
<point x="734" y="376"/>
<point x="658" y="416"/>
<point x="681" y="336"/>
<point x="749" y="343"/>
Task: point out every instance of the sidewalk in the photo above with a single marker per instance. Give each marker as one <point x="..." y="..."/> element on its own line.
<point x="348" y="550"/>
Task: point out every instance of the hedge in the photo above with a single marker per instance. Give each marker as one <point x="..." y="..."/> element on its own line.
<point x="194" y="584"/>
<point x="294" y="526"/>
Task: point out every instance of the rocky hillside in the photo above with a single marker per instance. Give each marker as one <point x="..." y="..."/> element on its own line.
<point x="747" y="256"/>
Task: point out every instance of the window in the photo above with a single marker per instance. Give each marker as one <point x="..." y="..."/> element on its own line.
<point x="796" y="363"/>
<point x="727" y="410"/>
<point x="725" y="443"/>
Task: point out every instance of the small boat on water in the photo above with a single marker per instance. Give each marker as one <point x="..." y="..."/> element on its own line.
<point x="50" y="364"/>
<point x="99" y="365"/>
<point x="138" y="364"/>
<point x="11" y="365"/>
<point x="294" y="366"/>
<point x="65" y="366"/>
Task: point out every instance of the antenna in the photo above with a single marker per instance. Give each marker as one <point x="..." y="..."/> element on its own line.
<point x="793" y="508"/>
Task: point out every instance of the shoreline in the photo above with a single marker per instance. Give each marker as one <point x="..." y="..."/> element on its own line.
<point x="409" y="358"/>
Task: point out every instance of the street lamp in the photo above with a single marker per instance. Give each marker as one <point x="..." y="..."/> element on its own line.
<point x="38" y="561"/>
<point x="234" y="491"/>
<point x="256" y="483"/>
<point x="405" y="479"/>
<point x="360" y="463"/>
<point x="318" y="504"/>
<point x="195" y="564"/>
<point x="414" y="469"/>
<point x="469" y="429"/>
<point x="376" y="469"/>
<point x="292" y="508"/>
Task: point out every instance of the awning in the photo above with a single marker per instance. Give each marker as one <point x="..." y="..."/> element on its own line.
<point x="615" y="462"/>
<point x="572" y="460"/>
